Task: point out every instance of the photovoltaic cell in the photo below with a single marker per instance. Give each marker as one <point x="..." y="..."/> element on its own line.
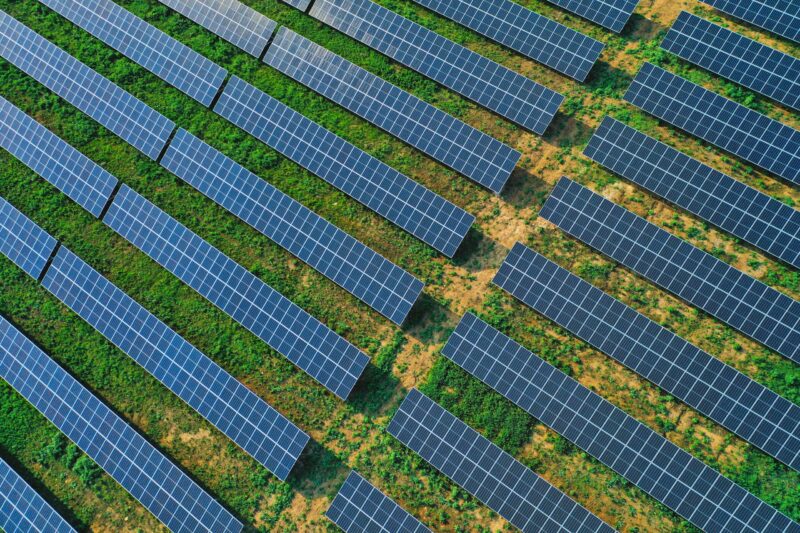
<point x="484" y="470"/>
<point x="361" y="508"/>
<point x="611" y="14"/>
<point x="134" y="463"/>
<point x="173" y="62"/>
<point x="284" y="326"/>
<point x="242" y="416"/>
<point x="302" y="5"/>
<point x="27" y="245"/>
<point x="491" y="85"/>
<point x="71" y="172"/>
<point x="713" y="388"/>
<point x="230" y="19"/>
<point x="529" y="33"/>
<point x="424" y="214"/>
<point x="113" y="108"/>
<point x="700" y="494"/>
<point x="22" y="510"/>
<point x="778" y="16"/>
<point x="715" y="197"/>
<point x="722" y="122"/>
<point x="423" y="126"/>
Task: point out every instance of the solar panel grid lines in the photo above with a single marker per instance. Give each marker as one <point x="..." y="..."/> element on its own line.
<point x="289" y="330"/>
<point x="743" y="132"/>
<point x="450" y="141"/>
<point x="232" y="20"/>
<point x="484" y="470"/>
<point x="361" y="508"/>
<point x="723" y="394"/>
<point x="611" y="14"/>
<point x="746" y="213"/>
<point x="507" y="93"/>
<point x="23" y="510"/>
<point x="409" y="205"/>
<point x="172" y="496"/>
<point x="375" y="280"/>
<point x="778" y="16"/>
<point x="21" y="240"/>
<point x="115" y="109"/>
<point x="302" y="5"/>
<point x="700" y="494"/>
<point x="170" y="60"/>
<point x="237" y="412"/>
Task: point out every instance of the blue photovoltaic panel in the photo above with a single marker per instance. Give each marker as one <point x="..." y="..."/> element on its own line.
<point x="235" y="22"/>
<point x="778" y="16"/>
<point x="134" y="463"/>
<point x="178" y="65"/>
<point x="715" y="197"/>
<point x="700" y="494"/>
<point x="71" y="172"/>
<point x="484" y="470"/>
<point x="358" y="269"/>
<point x="722" y="122"/>
<point x="423" y="126"/>
<point x="713" y="388"/>
<point x="115" y="109"/>
<point x="733" y="56"/>
<point x="301" y="338"/>
<point x="302" y="5"/>
<point x="424" y="214"/>
<point x="611" y="14"/>
<point x="491" y="85"/>
<point x="22" y="241"/>
<point x="242" y="416"/>
<point x="701" y="279"/>
<point x="22" y="510"/>
<point x="529" y="33"/>
<point x="361" y="508"/>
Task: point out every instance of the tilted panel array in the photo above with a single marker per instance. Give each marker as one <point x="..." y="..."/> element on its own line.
<point x="115" y="109"/>
<point x="292" y="332"/>
<point x="713" y="388"/>
<point x="424" y="214"/>
<point x="713" y="196"/>
<point x="361" y="508"/>
<point x="302" y="5"/>
<point x="700" y="494"/>
<point x="432" y="131"/>
<point x="22" y="510"/>
<point x="172" y="496"/>
<point x="733" y="56"/>
<point x="491" y="85"/>
<point x="27" y="245"/>
<point x="71" y="172"/>
<point x="529" y="33"/>
<point x="484" y="470"/>
<point x="701" y="279"/>
<point x="778" y="16"/>
<point x="242" y="416"/>
<point x="173" y="62"/>
<point x="611" y="14"/>
<point x="743" y="132"/>
<point x="232" y="20"/>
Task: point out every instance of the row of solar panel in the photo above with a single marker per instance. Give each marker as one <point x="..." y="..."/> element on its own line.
<point x="23" y="510"/>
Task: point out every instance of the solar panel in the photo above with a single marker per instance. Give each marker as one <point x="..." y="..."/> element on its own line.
<point x="173" y="62"/>
<point x="507" y="93"/>
<point x="373" y="279"/>
<point x="731" y="205"/>
<point x="423" y="126"/>
<point x="778" y="16"/>
<point x="484" y="470"/>
<point x="525" y="31"/>
<point x="424" y="214"/>
<point x="22" y="510"/>
<point x="113" y="108"/>
<point x="245" y="418"/>
<point x="151" y="478"/>
<point x="284" y="326"/>
<point x="27" y="245"/>
<point x="722" y="122"/>
<point x="361" y="508"/>
<point x="67" y="169"/>
<point x="713" y="388"/>
<point x="698" y="493"/>
<point x="235" y="22"/>
<point x="742" y="60"/>
<point x="611" y="14"/>
<point x="302" y="5"/>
